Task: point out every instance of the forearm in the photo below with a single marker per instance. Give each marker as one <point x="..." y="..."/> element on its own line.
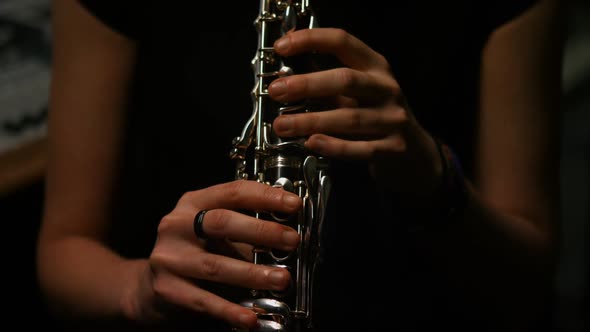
<point x="499" y="261"/>
<point x="83" y="279"/>
<point x="501" y="250"/>
<point x="79" y="275"/>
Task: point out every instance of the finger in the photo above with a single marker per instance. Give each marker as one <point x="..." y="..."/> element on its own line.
<point x="185" y="294"/>
<point x="329" y="102"/>
<point x="228" y="248"/>
<point x="349" y="50"/>
<point x="195" y="263"/>
<point x="227" y="224"/>
<point x="344" y="121"/>
<point x="340" y="81"/>
<point x="244" y="194"/>
<point x="360" y="150"/>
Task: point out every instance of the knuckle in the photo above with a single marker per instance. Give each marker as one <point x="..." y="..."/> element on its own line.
<point x="386" y="84"/>
<point x="255" y="273"/>
<point x="345" y="78"/>
<point x="404" y="115"/>
<point x="395" y="115"/>
<point x="227" y="310"/>
<point x="272" y="194"/>
<point x="189" y="196"/>
<point x="297" y="86"/>
<point x="396" y="92"/>
<point x="302" y="38"/>
<point x="356" y="120"/>
<point x="218" y="220"/>
<point x="400" y="116"/>
<point x="397" y="144"/>
<point x="395" y="86"/>
<point x="260" y="229"/>
<point x="210" y="267"/>
<point x="388" y="121"/>
<point x="160" y="287"/>
<point x="383" y="63"/>
<point x="314" y="124"/>
<point x="157" y="260"/>
<point x="341" y="37"/>
<point x="233" y="190"/>
<point x="167" y="224"/>
<point x="199" y="303"/>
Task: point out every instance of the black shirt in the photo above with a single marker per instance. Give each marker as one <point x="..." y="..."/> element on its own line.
<point x="191" y="96"/>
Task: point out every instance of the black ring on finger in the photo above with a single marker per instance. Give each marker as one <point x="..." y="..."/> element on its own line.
<point x="198" y="225"/>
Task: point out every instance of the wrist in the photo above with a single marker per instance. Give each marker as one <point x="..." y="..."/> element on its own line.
<point x="135" y="292"/>
<point x="453" y="191"/>
<point x="449" y="198"/>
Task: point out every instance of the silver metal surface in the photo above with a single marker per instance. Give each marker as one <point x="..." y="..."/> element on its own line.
<point x="285" y="163"/>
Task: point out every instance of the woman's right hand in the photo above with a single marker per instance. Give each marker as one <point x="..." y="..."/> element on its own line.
<point x="181" y="262"/>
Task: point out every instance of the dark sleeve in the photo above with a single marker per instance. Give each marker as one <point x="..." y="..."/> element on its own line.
<point x="499" y="12"/>
<point x="124" y="17"/>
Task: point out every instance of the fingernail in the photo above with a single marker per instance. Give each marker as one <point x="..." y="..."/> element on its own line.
<point x="284" y="123"/>
<point x="291" y="239"/>
<point x="277" y="278"/>
<point x="245" y="319"/>
<point x="278" y="88"/>
<point x="316" y="143"/>
<point x="282" y="45"/>
<point x="291" y="200"/>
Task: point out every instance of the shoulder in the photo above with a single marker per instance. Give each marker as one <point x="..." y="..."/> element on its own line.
<point x="496" y="13"/>
<point x="125" y="17"/>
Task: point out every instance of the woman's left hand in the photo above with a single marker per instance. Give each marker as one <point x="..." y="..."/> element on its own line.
<point x="368" y="117"/>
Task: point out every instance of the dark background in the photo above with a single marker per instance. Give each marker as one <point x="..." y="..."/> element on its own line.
<point x="21" y="201"/>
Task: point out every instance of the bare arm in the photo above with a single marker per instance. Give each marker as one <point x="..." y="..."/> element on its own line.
<point x="520" y="118"/>
<point x="505" y="247"/>
<point x="91" y="71"/>
<point x="520" y="128"/>
<point x="80" y="274"/>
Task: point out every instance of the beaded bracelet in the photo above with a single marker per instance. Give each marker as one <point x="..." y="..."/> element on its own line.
<point x="454" y="191"/>
<point x="451" y="196"/>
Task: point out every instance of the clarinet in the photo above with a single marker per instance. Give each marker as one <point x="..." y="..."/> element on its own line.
<point x="284" y="163"/>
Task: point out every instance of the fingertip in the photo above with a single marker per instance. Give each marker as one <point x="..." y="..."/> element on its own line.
<point x="282" y="45"/>
<point x="291" y="239"/>
<point x="278" y="90"/>
<point x="317" y="143"/>
<point x="291" y="201"/>
<point x="283" y="125"/>
<point x="248" y="319"/>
